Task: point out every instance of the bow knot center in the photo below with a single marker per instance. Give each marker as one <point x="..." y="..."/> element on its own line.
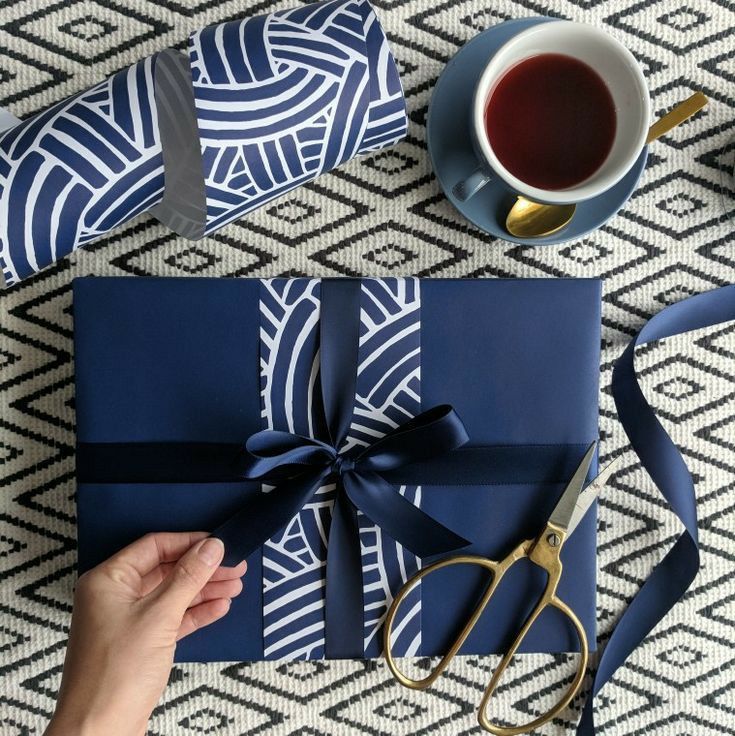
<point x="343" y="464"/>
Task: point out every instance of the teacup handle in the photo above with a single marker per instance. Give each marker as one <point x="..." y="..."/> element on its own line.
<point x="468" y="187"/>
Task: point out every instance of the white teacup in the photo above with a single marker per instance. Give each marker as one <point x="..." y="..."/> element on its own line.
<point x="624" y="79"/>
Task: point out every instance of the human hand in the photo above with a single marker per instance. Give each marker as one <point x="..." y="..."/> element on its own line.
<point x="129" y="612"/>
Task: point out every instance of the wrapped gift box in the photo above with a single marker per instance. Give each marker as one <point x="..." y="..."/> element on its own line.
<point x="174" y="375"/>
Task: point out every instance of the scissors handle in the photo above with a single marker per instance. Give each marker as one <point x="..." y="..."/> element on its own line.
<point x="572" y="690"/>
<point x="496" y="569"/>
<point x="542" y="553"/>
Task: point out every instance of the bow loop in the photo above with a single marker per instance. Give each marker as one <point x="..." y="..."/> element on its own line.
<point x="433" y="432"/>
<point x="273" y="455"/>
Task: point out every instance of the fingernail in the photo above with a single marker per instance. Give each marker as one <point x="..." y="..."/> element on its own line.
<point x="211" y="551"/>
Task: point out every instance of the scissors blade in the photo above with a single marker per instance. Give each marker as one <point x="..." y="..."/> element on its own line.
<point x="589" y="494"/>
<point x="564" y="508"/>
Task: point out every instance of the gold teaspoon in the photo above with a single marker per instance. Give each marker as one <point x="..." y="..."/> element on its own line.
<point x="528" y="219"/>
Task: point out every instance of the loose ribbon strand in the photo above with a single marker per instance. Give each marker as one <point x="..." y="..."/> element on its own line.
<point x="660" y="457"/>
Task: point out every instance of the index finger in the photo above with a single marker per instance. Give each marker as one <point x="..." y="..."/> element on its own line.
<point x="148" y="552"/>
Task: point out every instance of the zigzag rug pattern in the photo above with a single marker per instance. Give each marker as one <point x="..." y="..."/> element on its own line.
<point x="385" y="215"/>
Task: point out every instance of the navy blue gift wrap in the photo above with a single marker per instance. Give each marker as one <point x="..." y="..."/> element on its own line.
<point x="254" y="108"/>
<point x="174" y="376"/>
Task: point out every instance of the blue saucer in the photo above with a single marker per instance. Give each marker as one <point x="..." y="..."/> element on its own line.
<point x="453" y="158"/>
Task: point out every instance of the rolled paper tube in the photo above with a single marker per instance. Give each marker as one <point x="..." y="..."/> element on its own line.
<point x="257" y="108"/>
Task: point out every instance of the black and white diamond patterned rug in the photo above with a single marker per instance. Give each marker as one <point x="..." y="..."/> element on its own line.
<point x="386" y="215"/>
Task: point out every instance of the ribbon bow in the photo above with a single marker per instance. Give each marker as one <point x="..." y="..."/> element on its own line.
<point x="298" y="466"/>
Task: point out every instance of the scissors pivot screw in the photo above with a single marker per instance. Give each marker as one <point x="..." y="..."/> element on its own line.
<point x="553" y="539"/>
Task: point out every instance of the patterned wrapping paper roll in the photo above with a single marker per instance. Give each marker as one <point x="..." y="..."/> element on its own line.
<point x="257" y="108"/>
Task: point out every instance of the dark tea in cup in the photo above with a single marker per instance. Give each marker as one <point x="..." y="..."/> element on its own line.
<point x="551" y="121"/>
<point x="560" y="114"/>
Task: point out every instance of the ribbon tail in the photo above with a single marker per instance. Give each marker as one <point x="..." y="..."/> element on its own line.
<point x="398" y="517"/>
<point x="660" y="457"/>
<point x="259" y="520"/>
<point x="344" y="597"/>
<point x="661" y="591"/>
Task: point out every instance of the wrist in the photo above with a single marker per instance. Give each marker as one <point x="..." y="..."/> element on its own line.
<point x="68" y="721"/>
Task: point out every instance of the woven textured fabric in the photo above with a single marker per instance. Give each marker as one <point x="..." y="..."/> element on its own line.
<point x="385" y="215"/>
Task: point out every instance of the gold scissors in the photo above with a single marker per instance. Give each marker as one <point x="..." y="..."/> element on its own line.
<point x="543" y="551"/>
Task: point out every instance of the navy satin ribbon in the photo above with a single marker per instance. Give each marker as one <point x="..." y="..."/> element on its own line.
<point x="299" y="466"/>
<point x="663" y="461"/>
<point x="213" y="462"/>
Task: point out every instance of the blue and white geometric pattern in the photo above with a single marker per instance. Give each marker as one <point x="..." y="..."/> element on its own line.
<point x="388" y="394"/>
<point x="279" y="99"/>
<point x="294" y="561"/>
<point x="284" y="97"/>
<point x="78" y="170"/>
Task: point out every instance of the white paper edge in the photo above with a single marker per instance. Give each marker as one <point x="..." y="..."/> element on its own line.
<point x="7" y="119"/>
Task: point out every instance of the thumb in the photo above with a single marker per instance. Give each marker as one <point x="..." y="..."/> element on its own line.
<point x="191" y="573"/>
